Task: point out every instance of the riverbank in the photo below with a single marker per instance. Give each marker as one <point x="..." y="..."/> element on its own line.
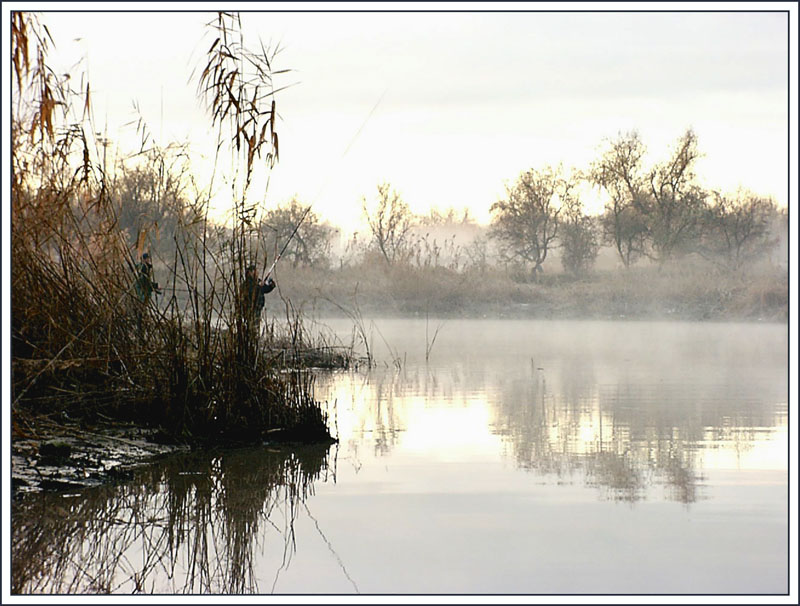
<point x="67" y="454"/>
<point x="74" y="446"/>
<point x="679" y="292"/>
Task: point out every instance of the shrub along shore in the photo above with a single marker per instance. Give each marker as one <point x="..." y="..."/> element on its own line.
<point x="685" y="291"/>
<point x="90" y="340"/>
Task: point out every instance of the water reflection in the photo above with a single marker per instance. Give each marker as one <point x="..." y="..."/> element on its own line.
<point x="636" y="417"/>
<point x="625" y="439"/>
<point x="516" y="434"/>
<point x="619" y="445"/>
<point x="189" y="524"/>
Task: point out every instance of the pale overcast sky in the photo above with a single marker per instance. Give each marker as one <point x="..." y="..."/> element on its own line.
<point x="465" y="101"/>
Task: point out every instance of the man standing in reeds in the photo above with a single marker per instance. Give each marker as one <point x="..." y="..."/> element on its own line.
<point x="145" y="286"/>
<point x="254" y="291"/>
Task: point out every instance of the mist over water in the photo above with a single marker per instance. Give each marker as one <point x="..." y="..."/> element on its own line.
<point x="522" y="457"/>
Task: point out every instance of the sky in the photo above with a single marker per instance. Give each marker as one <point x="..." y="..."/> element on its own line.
<point x="450" y="107"/>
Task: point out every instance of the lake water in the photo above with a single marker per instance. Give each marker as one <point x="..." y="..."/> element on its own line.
<point x="523" y="457"/>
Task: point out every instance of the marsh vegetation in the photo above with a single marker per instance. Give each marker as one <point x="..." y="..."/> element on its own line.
<point x="89" y="338"/>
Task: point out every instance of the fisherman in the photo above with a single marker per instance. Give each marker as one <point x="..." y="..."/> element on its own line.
<point x="253" y="291"/>
<point x="145" y="285"/>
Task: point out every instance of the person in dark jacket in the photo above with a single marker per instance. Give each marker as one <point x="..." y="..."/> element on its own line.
<point x="145" y="285"/>
<point x="253" y="291"/>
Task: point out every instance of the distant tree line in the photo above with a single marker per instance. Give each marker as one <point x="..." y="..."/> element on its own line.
<point x="659" y="213"/>
<point x="662" y="213"/>
<point x="656" y="213"/>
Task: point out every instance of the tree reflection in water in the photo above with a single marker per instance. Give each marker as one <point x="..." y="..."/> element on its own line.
<point x="189" y="524"/>
<point x="626" y="437"/>
<point x="623" y="443"/>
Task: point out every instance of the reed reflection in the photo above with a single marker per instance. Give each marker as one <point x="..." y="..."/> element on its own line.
<point x="191" y="524"/>
<point x="370" y="408"/>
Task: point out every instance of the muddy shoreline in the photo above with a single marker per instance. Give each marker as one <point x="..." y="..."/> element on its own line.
<point x="71" y="449"/>
<point x="72" y="456"/>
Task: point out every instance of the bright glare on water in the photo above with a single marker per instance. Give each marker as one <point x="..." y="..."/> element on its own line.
<point x="522" y="457"/>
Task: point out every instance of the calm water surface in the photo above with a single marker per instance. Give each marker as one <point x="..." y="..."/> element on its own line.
<point x="523" y="457"/>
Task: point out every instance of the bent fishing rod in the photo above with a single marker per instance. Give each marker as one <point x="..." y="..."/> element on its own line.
<point x="305" y="214"/>
<point x="347" y="149"/>
<point x="277" y="258"/>
<point x="285" y="246"/>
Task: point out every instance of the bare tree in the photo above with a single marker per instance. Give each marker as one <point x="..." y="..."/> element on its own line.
<point x="525" y="223"/>
<point x="578" y="232"/>
<point x="655" y="212"/>
<point x="390" y="222"/>
<point x="477" y="253"/>
<point x="619" y="173"/>
<point x="675" y="203"/>
<point x="152" y="194"/>
<point x="737" y="228"/>
<point x="311" y="245"/>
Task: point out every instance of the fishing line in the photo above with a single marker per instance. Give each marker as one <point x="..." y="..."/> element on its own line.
<point x="355" y="137"/>
<point x="374" y="107"/>
<point x="322" y="187"/>
<point x="327" y="180"/>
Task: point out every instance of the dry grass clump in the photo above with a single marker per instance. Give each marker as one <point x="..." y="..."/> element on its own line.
<point x="84" y="344"/>
<point x="764" y="296"/>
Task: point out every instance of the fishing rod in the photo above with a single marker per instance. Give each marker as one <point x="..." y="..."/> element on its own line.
<point x="285" y="246"/>
<point x="305" y="214"/>
<point x="347" y="149"/>
<point x="274" y="263"/>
